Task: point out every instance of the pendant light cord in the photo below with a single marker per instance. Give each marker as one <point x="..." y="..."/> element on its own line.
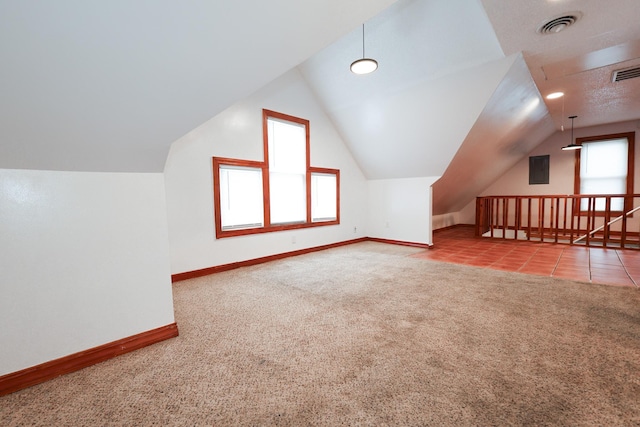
<point x="363" y="41"/>
<point x="562" y="124"/>
<point x="572" y="117"/>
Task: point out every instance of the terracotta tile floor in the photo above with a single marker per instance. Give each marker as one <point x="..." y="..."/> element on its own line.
<point x="595" y="265"/>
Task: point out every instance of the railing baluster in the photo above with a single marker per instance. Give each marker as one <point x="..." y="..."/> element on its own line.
<point x="564" y="217"/>
<point x="607" y="218"/>
<point x="573" y="216"/>
<point x="623" y="234"/>
<point x="505" y="217"/>
<point x="557" y="219"/>
<point x="541" y="218"/>
<point x="529" y="218"/>
<point x="492" y="210"/>
<point x="590" y="218"/>
<point x="518" y="219"/>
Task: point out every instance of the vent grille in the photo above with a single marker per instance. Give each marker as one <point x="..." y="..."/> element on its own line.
<point x="558" y="24"/>
<point x="629" y="73"/>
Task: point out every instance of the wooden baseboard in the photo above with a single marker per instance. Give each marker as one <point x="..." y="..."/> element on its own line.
<point x="400" y="242"/>
<point x="219" y="268"/>
<point x="449" y="227"/>
<point x="40" y="373"/>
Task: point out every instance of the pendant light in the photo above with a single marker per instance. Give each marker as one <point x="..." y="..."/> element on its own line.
<point x="572" y="145"/>
<point x="364" y="65"/>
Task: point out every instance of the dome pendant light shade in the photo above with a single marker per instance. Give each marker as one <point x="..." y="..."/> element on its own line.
<point x="572" y="145"/>
<point x="364" y="65"/>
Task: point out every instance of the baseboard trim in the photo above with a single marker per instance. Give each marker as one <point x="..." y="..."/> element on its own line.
<point x="449" y="227"/>
<point x="28" y="377"/>
<point x="225" y="267"/>
<point x="400" y="242"/>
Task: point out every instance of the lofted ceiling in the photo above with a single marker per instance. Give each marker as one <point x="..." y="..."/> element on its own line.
<point x="409" y="117"/>
<point x="108" y="86"/>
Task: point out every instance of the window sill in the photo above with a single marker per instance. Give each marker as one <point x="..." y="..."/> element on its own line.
<point x="221" y="234"/>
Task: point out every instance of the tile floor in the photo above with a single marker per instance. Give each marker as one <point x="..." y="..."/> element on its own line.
<point x="595" y="265"/>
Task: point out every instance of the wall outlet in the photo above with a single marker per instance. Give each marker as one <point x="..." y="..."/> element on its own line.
<point x="355" y="229"/>
<point x="386" y="224"/>
<point x="293" y="240"/>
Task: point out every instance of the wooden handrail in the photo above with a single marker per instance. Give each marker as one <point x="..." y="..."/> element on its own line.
<point x="571" y="219"/>
<point x="631" y="212"/>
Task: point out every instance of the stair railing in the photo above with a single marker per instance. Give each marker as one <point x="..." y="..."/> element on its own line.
<point x="604" y="220"/>
<point x="602" y="227"/>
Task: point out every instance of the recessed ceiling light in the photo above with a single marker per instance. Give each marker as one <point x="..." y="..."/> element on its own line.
<point x="555" y="95"/>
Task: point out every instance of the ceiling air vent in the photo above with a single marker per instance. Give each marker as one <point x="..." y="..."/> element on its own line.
<point x="626" y="74"/>
<point x="559" y="23"/>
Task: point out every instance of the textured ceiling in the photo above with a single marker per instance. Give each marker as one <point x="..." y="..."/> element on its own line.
<point x="578" y="60"/>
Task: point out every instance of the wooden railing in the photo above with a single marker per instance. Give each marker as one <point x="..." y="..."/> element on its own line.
<point x="602" y="220"/>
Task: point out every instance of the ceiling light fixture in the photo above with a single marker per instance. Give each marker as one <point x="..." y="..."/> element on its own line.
<point x="364" y="65"/>
<point x="555" y="95"/>
<point x="572" y="145"/>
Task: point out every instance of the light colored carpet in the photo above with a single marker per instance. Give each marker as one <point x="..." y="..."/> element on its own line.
<point x="366" y="335"/>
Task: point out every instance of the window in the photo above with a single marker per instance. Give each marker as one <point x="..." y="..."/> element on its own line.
<point x="282" y="192"/>
<point x="324" y="199"/>
<point x="604" y="165"/>
<point x="287" y="170"/>
<point x="241" y="202"/>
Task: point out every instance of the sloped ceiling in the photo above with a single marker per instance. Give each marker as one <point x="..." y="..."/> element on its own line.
<point x="109" y="85"/>
<point x="439" y="64"/>
<point x="512" y="123"/>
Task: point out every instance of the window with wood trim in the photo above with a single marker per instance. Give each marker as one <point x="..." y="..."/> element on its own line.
<point x="282" y="192"/>
<point x="605" y="165"/>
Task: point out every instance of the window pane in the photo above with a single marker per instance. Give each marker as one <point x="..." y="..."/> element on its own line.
<point x="287" y="146"/>
<point x="241" y="204"/>
<point x="603" y="159"/>
<point x="617" y="204"/>
<point x="288" y="198"/>
<point x="323" y="197"/>
<point x="603" y="170"/>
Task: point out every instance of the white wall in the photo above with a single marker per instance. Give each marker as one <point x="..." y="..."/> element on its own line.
<point x="400" y="209"/>
<point x="84" y="261"/>
<point x="237" y="133"/>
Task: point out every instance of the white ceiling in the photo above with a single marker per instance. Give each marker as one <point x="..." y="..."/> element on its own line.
<point x="109" y="85"/>
<point x="431" y="73"/>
